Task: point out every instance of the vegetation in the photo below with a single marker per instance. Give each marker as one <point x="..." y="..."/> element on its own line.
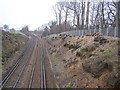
<point x="69" y="85"/>
<point x="107" y="53"/>
<point x="25" y="30"/>
<point x="11" y="43"/>
<point x="82" y="15"/>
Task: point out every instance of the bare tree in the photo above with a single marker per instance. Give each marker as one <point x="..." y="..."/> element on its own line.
<point x="102" y="15"/>
<point x="111" y="13"/>
<point x="83" y="14"/>
<point x="66" y="14"/>
<point x="75" y="7"/>
<point x="92" y="13"/>
<point x="58" y="10"/>
<point x="55" y="11"/>
<point x="117" y="14"/>
<point x="87" y="15"/>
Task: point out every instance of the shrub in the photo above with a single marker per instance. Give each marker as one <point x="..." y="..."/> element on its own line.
<point x="107" y="53"/>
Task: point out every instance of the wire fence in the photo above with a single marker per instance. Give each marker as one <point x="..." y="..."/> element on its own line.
<point x="110" y="31"/>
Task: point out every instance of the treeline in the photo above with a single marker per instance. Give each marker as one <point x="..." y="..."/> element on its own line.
<point x="83" y="15"/>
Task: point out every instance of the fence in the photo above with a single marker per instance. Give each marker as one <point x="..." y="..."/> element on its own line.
<point x="110" y="31"/>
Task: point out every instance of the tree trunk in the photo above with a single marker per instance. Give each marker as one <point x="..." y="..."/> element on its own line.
<point x="60" y="21"/>
<point x="87" y="15"/>
<point x="66" y="15"/>
<point x="117" y="14"/>
<point x="83" y="12"/>
<point x="102" y="15"/>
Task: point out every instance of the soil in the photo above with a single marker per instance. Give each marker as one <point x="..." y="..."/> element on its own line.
<point x="68" y="68"/>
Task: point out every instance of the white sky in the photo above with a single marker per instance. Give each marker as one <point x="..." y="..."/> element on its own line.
<point x="34" y="13"/>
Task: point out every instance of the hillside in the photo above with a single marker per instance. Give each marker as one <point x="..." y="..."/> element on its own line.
<point x="11" y="44"/>
<point x="84" y="61"/>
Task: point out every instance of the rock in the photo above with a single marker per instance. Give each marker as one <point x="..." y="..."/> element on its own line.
<point x="96" y="67"/>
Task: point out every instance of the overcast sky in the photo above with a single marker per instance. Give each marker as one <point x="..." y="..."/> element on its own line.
<point x="34" y="13"/>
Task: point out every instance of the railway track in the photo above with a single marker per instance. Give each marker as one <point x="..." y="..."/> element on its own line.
<point x="47" y="76"/>
<point x="33" y="61"/>
<point x="43" y="71"/>
<point x="16" y="66"/>
<point x="17" y="81"/>
<point x="33" y="69"/>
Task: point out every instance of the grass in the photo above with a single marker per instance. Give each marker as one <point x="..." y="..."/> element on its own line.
<point x="69" y="85"/>
<point x="11" y="42"/>
<point x="108" y="53"/>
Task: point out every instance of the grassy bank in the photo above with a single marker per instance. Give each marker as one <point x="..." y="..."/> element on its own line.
<point x="11" y="43"/>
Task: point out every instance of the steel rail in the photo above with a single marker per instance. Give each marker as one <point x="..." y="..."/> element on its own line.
<point x="22" y="70"/>
<point x="33" y="69"/>
<point x="6" y="78"/>
<point x="10" y="73"/>
<point x="43" y="71"/>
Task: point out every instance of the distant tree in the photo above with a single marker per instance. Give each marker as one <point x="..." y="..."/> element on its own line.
<point x="6" y="27"/>
<point x="38" y="29"/>
<point x="12" y="30"/>
<point x="25" y="30"/>
<point x="46" y="31"/>
<point x="52" y="24"/>
<point x="35" y="31"/>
